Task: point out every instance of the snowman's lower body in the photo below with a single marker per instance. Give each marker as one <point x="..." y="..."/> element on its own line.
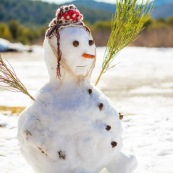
<point x="73" y="135"/>
<point x="124" y="164"/>
<point x="43" y="161"/>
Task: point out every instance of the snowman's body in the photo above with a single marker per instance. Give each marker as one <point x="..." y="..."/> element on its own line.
<point x="70" y="131"/>
<point x="71" y="127"/>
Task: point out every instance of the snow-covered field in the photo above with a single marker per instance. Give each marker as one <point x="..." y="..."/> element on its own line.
<point x="140" y="86"/>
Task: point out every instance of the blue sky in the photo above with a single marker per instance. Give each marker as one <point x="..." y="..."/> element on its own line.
<point x="64" y="1"/>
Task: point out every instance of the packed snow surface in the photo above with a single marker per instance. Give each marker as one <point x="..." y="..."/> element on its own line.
<point x="5" y="45"/>
<point x="140" y="85"/>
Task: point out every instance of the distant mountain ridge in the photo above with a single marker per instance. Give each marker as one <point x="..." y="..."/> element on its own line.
<point x="30" y="12"/>
<point x="93" y="10"/>
<point x="163" y="9"/>
<point x="40" y="12"/>
<point x="163" y="2"/>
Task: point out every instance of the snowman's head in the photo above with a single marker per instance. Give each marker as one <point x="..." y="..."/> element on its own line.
<point x="70" y="44"/>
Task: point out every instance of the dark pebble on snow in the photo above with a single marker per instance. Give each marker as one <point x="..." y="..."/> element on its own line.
<point x="90" y="91"/>
<point x="100" y="106"/>
<point x="108" y="127"/>
<point x="114" y="144"/>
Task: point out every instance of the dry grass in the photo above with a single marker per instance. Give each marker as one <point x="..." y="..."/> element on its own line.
<point x="160" y="37"/>
<point x="11" y="109"/>
<point x="157" y="37"/>
<point x="101" y="37"/>
<point x="9" y="79"/>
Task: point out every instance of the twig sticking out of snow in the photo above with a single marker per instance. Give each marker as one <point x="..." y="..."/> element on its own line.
<point x="127" y="23"/>
<point x="9" y="79"/>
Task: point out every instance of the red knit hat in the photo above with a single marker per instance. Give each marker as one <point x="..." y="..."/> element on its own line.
<point x="66" y="16"/>
<point x="69" y="14"/>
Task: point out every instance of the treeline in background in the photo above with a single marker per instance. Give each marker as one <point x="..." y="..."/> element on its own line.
<point x="156" y="33"/>
<point x="16" y="32"/>
<point x="26" y="21"/>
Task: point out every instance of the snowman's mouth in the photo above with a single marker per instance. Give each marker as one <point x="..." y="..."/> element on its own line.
<point x="81" y="66"/>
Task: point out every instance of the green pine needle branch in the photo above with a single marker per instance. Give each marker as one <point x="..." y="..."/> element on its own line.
<point x="127" y="23"/>
<point x="9" y="79"/>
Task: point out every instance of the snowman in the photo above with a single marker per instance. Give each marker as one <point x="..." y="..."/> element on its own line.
<point x="71" y="127"/>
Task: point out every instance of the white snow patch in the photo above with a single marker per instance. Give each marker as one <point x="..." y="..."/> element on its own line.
<point x="141" y="85"/>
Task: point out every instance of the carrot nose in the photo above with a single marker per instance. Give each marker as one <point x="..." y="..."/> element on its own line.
<point x="85" y="55"/>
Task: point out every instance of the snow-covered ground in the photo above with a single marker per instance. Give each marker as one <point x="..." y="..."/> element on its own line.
<point x="140" y="85"/>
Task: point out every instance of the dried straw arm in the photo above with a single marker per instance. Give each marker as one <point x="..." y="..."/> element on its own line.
<point x="127" y="22"/>
<point x="9" y="79"/>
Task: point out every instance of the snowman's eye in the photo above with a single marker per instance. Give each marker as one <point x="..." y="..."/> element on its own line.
<point x="75" y="43"/>
<point x="91" y="42"/>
